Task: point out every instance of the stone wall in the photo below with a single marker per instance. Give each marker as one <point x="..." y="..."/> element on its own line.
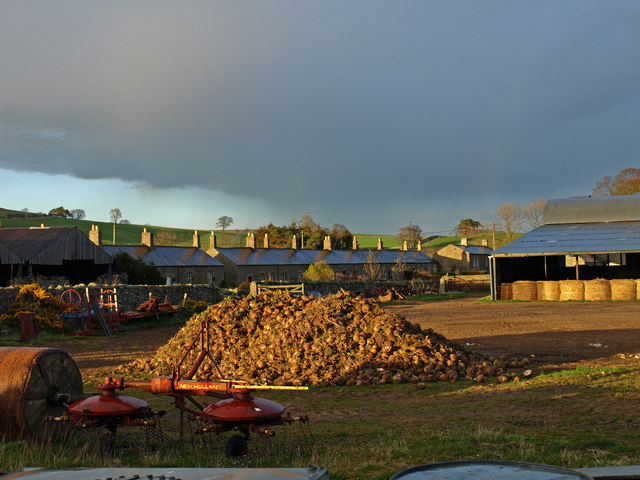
<point x="129" y="296"/>
<point x="353" y="287"/>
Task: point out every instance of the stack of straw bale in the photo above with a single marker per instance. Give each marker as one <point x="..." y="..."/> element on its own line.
<point x="525" y="290"/>
<point x="506" y="291"/>
<point x="623" y="289"/>
<point x="571" y="290"/>
<point x="548" y="290"/>
<point x="598" y="289"/>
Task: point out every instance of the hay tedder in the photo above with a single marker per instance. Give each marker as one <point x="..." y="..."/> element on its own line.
<point x="50" y="379"/>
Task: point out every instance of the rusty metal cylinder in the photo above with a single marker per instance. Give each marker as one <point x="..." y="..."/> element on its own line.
<point x="34" y="384"/>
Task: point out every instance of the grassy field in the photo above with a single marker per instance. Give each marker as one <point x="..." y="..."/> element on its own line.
<point x="443" y="241"/>
<point x="580" y="417"/>
<point x="129" y="234"/>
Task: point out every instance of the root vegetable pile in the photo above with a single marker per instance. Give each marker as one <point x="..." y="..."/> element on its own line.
<point x="278" y="339"/>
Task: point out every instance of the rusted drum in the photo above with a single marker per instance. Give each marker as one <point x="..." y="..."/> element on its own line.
<point x="34" y="384"/>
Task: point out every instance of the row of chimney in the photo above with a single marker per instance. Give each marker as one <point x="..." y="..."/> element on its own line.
<point x="95" y="235"/>
<point x="464" y="241"/>
<point x="250" y="242"/>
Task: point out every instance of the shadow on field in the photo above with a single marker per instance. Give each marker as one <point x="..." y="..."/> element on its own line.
<point x="558" y="346"/>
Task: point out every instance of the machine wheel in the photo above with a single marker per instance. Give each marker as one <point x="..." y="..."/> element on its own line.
<point x="236" y="446"/>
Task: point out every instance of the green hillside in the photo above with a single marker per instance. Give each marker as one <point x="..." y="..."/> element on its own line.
<point x="371" y="241"/>
<point x="130" y="234"/>
<point x="440" y="242"/>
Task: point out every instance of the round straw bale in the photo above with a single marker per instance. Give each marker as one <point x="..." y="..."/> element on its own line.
<point x="525" y="290"/>
<point x="571" y="290"/>
<point x="506" y="291"/>
<point x="549" y="290"/>
<point x="598" y="289"/>
<point x="638" y="289"/>
<point x="623" y="289"/>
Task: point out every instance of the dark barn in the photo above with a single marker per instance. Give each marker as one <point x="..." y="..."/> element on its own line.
<point x="50" y="251"/>
<point x="581" y="238"/>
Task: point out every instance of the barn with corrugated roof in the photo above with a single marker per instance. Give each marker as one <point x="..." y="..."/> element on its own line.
<point x="50" y="251"/>
<point x="581" y="238"/>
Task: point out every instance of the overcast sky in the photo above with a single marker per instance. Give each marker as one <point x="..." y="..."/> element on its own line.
<point x="366" y="113"/>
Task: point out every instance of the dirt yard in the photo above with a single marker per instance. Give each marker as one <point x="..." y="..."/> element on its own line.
<point x="550" y="334"/>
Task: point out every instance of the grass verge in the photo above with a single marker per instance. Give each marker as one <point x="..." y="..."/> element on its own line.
<point x="582" y="417"/>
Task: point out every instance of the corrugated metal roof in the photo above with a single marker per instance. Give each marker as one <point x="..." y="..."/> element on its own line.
<point x="624" y="208"/>
<point x="51" y="245"/>
<point x="167" y="256"/>
<point x="8" y="256"/>
<point x="288" y="256"/>
<point x="576" y="238"/>
<point x="28" y="242"/>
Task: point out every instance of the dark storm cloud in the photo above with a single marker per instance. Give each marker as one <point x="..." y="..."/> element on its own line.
<point x="327" y="102"/>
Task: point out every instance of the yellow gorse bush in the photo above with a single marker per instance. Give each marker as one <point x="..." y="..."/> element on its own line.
<point x="33" y="298"/>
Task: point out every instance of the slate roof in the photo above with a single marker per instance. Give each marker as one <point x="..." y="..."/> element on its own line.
<point x="162" y="256"/>
<point x="576" y="238"/>
<point x="288" y="256"/>
<point x="478" y="250"/>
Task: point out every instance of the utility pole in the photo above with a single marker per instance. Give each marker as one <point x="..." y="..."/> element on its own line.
<point x="114" y="233"/>
<point x="493" y="228"/>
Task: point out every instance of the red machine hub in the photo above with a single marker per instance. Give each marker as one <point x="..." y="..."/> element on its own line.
<point x="242" y="407"/>
<point x="110" y="404"/>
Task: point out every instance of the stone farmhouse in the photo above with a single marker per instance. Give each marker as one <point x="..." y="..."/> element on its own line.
<point x="66" y="251"/>
<point x="175" y="264"/>
<point x="464" y="257"/>
<point x="265" y="264"/>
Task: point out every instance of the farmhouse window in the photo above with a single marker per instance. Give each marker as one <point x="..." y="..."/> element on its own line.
<point x="283" y="277"/>
<point x="189" y="277"/>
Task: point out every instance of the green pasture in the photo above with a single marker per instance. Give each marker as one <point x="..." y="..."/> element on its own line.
<point x="580" y="417"/>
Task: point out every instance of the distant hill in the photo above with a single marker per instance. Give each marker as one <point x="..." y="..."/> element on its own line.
<point x="19" y="214"/>
<point x="130" y="234"/>
<point x="440" y="242"/>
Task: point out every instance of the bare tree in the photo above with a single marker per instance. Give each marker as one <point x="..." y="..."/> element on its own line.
<point x="224" y="222"/>
<point x="372" y="268"/>
<point x="626" y="182"/>
<point x="411" y="234"/>
<point x="78" y="214"/>
<point x="533" y="212"/>
<point x="115" y="214"/>
<point x="399" y="268"/>
<point x="509" y="216"/>
<point x="307" y="223"/>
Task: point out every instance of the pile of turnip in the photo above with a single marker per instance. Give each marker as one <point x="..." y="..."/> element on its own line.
<point x="278" y="339"/>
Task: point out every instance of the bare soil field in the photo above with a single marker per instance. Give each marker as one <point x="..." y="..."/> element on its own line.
<point x="550" y="334"/>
